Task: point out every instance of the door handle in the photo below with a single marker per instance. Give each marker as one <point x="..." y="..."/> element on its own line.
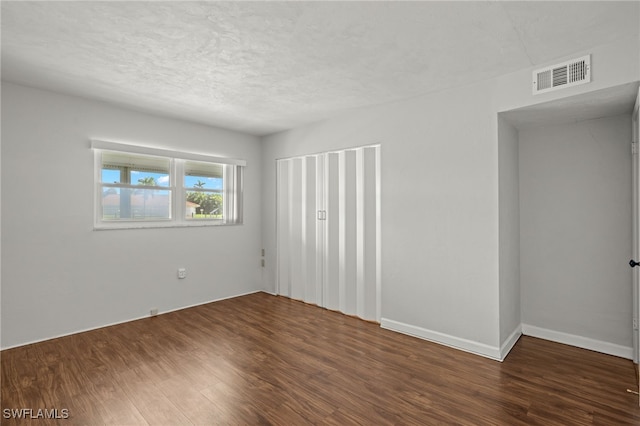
<point x="633" y="263"/>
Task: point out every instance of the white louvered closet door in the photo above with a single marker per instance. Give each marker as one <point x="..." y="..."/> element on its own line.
<point x="328" y="230"/>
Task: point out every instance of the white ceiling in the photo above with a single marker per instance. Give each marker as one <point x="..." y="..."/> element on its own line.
<point x="262" y="67"/>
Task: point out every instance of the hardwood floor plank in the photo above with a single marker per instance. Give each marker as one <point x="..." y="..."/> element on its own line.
<point x="261" y="359"/>
<point x="193" y="404"/>
<point x="152" y="404"/>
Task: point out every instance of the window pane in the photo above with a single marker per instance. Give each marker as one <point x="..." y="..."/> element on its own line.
<point x="135" y="204"/>
<point x="203" y="205"/>
<point x="111" y="176"/>
<point x="200" y="175"/>
<point x="122" y="167"/>
<point x="203" y="182"/>
<point x="149" y="178"/>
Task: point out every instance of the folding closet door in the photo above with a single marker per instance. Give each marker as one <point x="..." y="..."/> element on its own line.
<point x="368" y="235"/>
<point x="283" y="227"/>
<point x="312" y="274"/>
<point x="329" y="230"/>
<point x="299" y="273"/>
<point x="334" y="287"/>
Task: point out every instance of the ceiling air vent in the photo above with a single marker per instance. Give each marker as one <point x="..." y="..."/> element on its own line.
<point x="566" y="74"/>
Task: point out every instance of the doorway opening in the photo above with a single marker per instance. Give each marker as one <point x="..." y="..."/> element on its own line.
<point x="566" y="212"/>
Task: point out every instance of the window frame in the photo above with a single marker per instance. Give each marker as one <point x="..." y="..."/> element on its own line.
<point x="185" y="190"/>
<point x="232" y="190"/>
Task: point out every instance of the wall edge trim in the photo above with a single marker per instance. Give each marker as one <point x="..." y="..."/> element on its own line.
<point x="578" y="341"/>
<point x="510" y="342"/>
<point x="476" y="348"/>
<point x="125" y="321"/>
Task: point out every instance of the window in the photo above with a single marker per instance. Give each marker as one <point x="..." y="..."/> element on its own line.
<point x="134" y="187"/>
<point x="147" y="187"/>
<point x="203" y="190"/>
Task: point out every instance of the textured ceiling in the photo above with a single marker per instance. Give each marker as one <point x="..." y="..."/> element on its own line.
<point x="261" y="67"/>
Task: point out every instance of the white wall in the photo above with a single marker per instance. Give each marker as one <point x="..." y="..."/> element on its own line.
<point x="0" y="226"/>
<point x="509" y="220"/>
<point x="441" y="208"/>
<point x="611" y="65"/>
<point x="59" y="275"/>
<point x="575" y="195"/>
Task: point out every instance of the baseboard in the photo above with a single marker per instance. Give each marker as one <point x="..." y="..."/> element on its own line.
<point x="508" y="344"/>
<point x="471" y="346"/>
<point x="578" y="341"/>
<point x="125" y="321"/>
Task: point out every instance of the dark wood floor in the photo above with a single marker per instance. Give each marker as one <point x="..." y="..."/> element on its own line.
<point x="261" y="359"/>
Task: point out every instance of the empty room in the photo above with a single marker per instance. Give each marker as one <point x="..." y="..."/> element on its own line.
<point x="291" y="213"/>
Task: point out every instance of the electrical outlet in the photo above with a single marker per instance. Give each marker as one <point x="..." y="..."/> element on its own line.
<point x="635" y="323"/>
<point x="182" y="273"/>
<point x="153" y="312"/>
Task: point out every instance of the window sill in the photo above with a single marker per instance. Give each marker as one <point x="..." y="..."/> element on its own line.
<point x="156" y="225"/>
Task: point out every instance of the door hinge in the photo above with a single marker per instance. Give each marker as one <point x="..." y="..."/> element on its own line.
<point x="634" y="148"/>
